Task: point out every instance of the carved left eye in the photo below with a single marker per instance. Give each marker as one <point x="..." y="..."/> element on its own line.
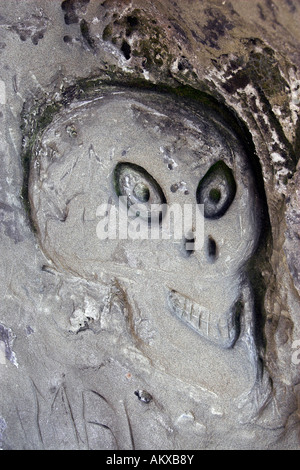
<point x="138" y="186"/>
<point x="216" y="190"/>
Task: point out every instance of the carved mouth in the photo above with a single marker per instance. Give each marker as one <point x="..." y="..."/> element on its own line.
<point x="222" y="330"/>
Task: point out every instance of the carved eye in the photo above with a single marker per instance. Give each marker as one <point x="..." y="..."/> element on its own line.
<point x="138" y="186"/>
<point x="216" y="190"/>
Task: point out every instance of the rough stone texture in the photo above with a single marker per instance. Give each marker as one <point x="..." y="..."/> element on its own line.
<point x="75" y="356"/>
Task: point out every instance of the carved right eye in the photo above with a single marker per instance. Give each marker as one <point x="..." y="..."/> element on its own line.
<point x="138" y="186"/>
<point x="216" y="190"/>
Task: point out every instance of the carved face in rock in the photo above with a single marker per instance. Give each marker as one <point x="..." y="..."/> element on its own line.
<point x="152" y="149"/>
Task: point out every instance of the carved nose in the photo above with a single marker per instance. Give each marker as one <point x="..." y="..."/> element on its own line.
<point x="211" y="249"/>
<point x="189" y="243"/>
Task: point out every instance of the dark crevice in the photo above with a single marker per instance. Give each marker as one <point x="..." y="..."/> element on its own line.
<point x="85" y="31"/>
<point x="70" y="6"/>
<point x="126" y="49"/>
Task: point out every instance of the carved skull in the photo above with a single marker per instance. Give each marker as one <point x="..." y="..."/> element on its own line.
<point x="154" y="149"/>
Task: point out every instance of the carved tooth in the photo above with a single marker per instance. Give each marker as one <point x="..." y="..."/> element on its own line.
<point x="195" y="317"/>
<point x="185" y="315"/>
<point x="223" y="332"/>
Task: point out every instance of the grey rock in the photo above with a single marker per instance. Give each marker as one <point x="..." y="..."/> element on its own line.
<point x="166" y="90"/>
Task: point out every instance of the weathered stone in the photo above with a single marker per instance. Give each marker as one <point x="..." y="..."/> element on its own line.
<point x="166" y="90"/>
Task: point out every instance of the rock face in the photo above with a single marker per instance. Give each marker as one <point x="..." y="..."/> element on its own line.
<point x="157" y="338"/>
